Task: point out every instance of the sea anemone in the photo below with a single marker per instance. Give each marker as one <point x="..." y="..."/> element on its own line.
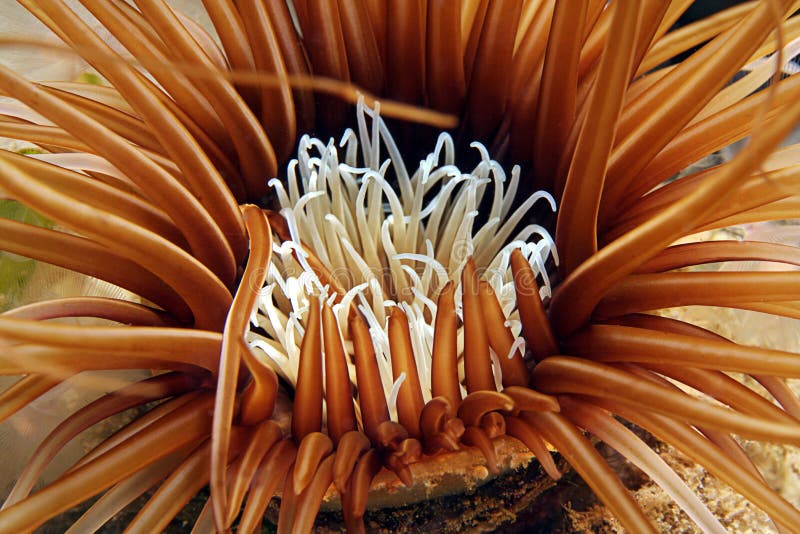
<point x="316" y="330"/>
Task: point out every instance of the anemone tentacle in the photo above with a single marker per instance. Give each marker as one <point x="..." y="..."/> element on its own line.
<point x="376" y="309"/>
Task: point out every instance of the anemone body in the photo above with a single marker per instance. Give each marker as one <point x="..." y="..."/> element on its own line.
<point x="361" y="316"/>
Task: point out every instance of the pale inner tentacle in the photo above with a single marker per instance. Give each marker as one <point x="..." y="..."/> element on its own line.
<point x="392" y="248"/>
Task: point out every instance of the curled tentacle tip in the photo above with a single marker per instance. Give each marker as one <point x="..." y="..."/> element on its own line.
<point x="314" y="448"/>
<point x="478" y="403"/>
<point x="493" y="424"/>
<point x="350" y="448"/>
<point x="528" y="399"/>
<point x="390" y="434"/>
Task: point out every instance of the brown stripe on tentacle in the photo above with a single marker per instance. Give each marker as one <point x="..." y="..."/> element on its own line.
<point x="405" y="51"/>
<point x="513" y="368"/>
<point x="341" y="416"/>
<point x="639" y="292"/>
<point x="259" y="396"/>
<point x="230" y="28"/>
<point x="689" y="254"/>
<point x="307" y="405"/>
<point x="192" y="347"/>
<point x="776" y="385"/>
<point x="371" y="398"/>
<point x="117" y="120"/>
<point x="202" y="290"/>
<point x="161" y="411"/>
<point x="289" y="498"/>
<point x="444" y="364"/>
<point x="123" y="493"/>
<point x="409" y="397"/>
<point x="201" y="176"/>
<point x="539" y="336"/>
<point x="477" y="363"/>
<point x="725" y="389"/>
<point x="96" y="193"/>
<point x="207" y="240"/>
<point x="131" y="29"/>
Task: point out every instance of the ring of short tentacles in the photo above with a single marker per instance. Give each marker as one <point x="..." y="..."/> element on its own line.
<point x="392" y="311"/>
